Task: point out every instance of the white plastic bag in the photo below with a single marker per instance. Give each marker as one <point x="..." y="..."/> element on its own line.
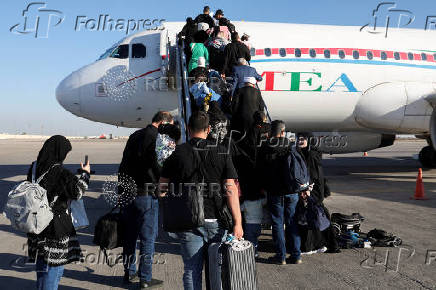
<point x="78" y="214"/>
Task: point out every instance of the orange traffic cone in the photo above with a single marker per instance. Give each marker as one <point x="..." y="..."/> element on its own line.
<point x="365" y="154"/>
<point x="419" y="191"/>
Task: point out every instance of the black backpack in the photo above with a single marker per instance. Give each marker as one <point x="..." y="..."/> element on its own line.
<point x="184" y="211"/>
<point x="342" y="223"/>
<point x="381" y="238"/>
<point x="109" y="233"/>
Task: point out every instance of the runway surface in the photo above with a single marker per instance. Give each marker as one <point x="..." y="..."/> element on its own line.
<point x="378" y="186"/>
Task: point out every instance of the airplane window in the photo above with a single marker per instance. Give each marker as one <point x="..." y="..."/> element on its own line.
<point x="410" y="56"/>
<point x="327" y="53"/>
<point x="138" y="50"/>
<point x="369" y="55"/>
<point x="312" y="53"/>
<point x="397" y="55"/>
<point x="384" y="55"/>
<point x="252" y="51"/>
<point x="423" y="56"/>
<point x="267" y="51"/>
<point x="297" y="52"/>
<point x="341" y="54"/>
<point x="109" y="50"/>
<point x="282" y="52"/>
<point x="121" y="51"/>
<point x="355" y="54"/>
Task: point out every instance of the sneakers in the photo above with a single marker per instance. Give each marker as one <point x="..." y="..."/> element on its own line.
<point x="276" y="260"/>
<point x="154" y="283"/>
<point x="128" y="279"/>
<point x="295" y="261"/>
<point x="322" y="250"/>
<point x="309" y="253"/>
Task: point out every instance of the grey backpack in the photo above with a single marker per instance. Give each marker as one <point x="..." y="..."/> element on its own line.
<point x="27" y="207"/>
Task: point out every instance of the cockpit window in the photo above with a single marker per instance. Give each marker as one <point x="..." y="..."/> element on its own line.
<point x="109" y="50"/>
<point x="121" y="51"/>
<point x="138" y="50"/>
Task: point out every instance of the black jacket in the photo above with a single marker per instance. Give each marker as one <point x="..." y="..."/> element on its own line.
<point x="245" y="103"/>
<point x="139" y="157"/>
<point x="205" y="18"/>
<point x="270" y="166"/>
<point x="257" y="134"/>
<point x="313" y="162"/>
<point x="232" y="52"/>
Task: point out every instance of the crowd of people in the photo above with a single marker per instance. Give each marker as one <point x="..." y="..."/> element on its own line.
<point x="231" y="144"/>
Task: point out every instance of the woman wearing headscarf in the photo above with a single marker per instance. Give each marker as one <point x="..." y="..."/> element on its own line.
<point x="313" y="240"/>
<point x="200" y="54"/>
<point x="57" y="244"/>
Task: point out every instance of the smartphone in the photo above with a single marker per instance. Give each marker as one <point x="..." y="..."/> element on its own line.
<point x="86" y="160"/>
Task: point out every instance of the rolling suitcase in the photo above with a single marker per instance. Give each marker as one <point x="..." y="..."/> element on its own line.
<point x="232" y="266"/>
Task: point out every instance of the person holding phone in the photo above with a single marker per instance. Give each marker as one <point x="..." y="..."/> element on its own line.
<point x="57" y="244"/>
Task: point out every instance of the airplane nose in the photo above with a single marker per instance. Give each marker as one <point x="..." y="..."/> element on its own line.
<point x="68" y="93"/>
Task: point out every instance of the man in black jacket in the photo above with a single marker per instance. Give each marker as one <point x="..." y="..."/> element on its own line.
<point x="141" y="216"/>
<point x="233" y="52"/>
<point x="282" y="193"/>
<point x="205" y="17"/>
<point x="217" y="170"/>
<point x="220" y="20"/>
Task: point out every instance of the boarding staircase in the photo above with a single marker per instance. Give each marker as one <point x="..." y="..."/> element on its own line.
<point x="182" y="85"/>
<point x="184" y="99"/>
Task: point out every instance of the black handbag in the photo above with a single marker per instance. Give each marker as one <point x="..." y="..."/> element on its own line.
<point x="184" y="211"/>
<point x="109" y="233"/>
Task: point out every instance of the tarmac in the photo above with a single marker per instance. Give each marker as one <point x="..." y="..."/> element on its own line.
<point x="379" y="187"/>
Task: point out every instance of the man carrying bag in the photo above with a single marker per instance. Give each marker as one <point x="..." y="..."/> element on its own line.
<point x="191" y="178"/>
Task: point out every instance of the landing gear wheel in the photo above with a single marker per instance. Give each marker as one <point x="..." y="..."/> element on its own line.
<point x="427" y="157"/>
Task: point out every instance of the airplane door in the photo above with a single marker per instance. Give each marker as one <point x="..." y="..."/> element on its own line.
<point x="145" y="60"/>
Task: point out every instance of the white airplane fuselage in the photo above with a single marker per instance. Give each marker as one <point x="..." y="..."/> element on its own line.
<point x="315" y="78"/>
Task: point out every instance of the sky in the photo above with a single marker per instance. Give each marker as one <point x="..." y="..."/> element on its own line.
<point x="31" y="68"/>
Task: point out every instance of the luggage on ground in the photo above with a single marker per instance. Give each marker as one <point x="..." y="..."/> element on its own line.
<point x="108" y="233"/>
<point x="350" y="239"/>
<point x="232" y="265"/>
<point x="342" y="223"/>
<point x="27" y="206"/>
<point x="381" y="238"/>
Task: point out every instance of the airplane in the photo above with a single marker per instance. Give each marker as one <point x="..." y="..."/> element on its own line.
<point x="355" y="90"/>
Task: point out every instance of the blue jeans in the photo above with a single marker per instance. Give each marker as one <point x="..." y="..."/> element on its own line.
<point x="282" y="210"/>
<point x="253" y="214"/>
<point x="140" y="219"/>
<point x="47" y="277"/>
<point x="194" y="245"/>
